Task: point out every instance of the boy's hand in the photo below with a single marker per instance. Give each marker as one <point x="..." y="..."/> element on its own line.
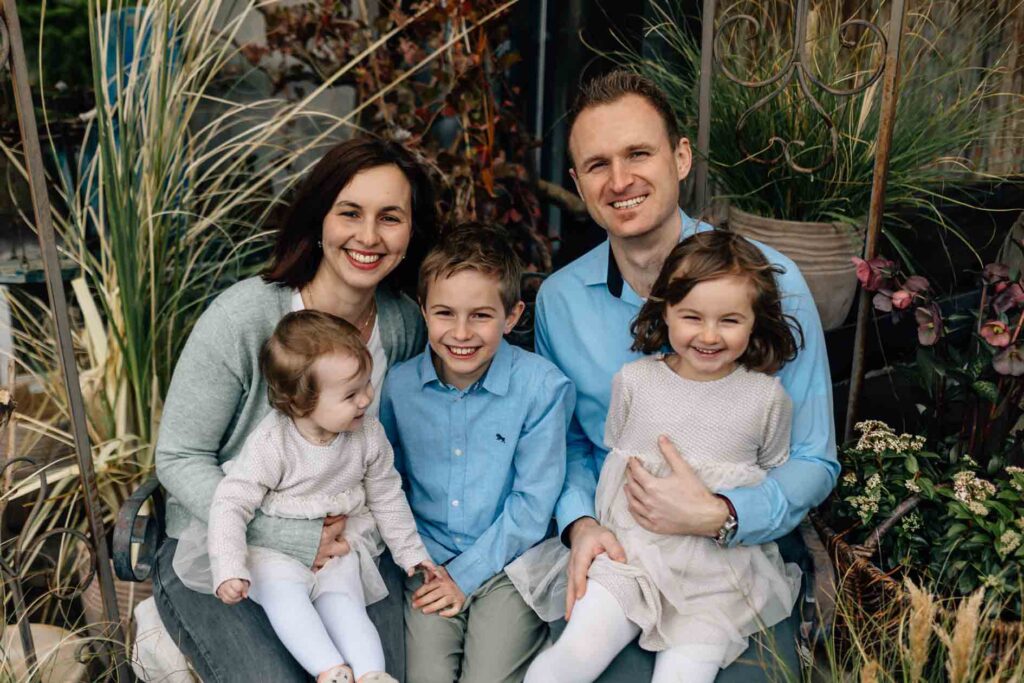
<point x="233" y="591"/>
<point x="440" y="594"/>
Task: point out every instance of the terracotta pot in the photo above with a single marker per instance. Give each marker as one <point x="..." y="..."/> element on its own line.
<point x="822" y="252"/>
<point x="56" y="653"/>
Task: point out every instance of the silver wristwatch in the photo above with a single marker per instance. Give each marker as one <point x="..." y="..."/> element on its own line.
<point x="728" y="529"/>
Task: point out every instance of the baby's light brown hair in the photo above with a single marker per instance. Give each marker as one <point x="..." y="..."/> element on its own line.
<point x="287" y="358"/>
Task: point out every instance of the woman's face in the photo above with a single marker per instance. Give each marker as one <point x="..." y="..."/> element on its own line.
<point x="367" y="230"/>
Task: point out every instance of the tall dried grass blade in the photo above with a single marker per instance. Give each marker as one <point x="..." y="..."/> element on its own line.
<point x="960" y="646"/>
<point x="921" y="620"/>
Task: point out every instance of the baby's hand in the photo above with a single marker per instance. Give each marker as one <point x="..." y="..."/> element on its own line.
<point x="440" y="594"/>
<point x="428" y="568"/>
<point x="233" y="591"/>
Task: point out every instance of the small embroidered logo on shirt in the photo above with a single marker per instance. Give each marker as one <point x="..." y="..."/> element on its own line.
<point x="499" y="437"/>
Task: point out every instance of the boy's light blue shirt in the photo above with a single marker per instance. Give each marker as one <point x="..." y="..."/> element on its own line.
<point x="482" y="467"/>
<point x="583" y="315"/>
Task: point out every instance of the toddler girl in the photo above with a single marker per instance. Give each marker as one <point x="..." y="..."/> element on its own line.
<point x="716" y="305"/>
<point x="317" y="454"/>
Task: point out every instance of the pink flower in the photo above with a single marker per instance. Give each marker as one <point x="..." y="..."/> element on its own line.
<point x="996" y="333"/>
<point x="873" y="274"/>
<point x="995" y="272"/>
<point x="902" y="299"/>
<point x="1009" y="361"/>
<point x="882" y="301"/>
<point x="916" y="284"/>
<point x="1009" y="298"/>
<point x="929" y="324"/>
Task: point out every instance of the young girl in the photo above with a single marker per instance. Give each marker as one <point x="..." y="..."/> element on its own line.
<point x="694" y="602"/>
<point x="317" y="454"/>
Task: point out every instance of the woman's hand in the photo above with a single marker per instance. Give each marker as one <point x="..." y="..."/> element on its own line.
<point x="440" y="594"/>
<point x="587" y="540"/>
<point x="233" y="591"/>
<point x="678" y="503"/>
<point x="332" y="541"/>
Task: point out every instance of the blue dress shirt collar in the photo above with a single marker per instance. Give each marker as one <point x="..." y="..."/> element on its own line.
<point x="495" y="379"/>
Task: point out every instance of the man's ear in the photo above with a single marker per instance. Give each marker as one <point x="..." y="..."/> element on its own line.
<point x="684" y="158"/>
<point x="576" y="182"/>
<point x="513" y="316"/>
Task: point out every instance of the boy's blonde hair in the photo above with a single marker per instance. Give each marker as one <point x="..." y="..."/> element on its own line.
<point x="287" y="358"/>
<point x="482" y="247"/>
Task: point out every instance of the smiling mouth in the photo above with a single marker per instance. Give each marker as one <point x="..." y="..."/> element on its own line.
<point x="631" y="203"/>
<point x="706" y="352"/>
<point x="462" y="351"/>
<point x="363" y="258"/>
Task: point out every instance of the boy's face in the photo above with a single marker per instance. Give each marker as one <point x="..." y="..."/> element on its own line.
<point x="465" y="323"/>
<point x="626" y="168"/>
<point x="344" y="393"/>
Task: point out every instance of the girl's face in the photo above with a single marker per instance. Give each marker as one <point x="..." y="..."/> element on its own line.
<point x="343" y="394"/>
<point x="367" y="230"/>
<point x="710" y="328"/>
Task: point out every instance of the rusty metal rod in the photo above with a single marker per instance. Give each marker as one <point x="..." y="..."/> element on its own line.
<point x="887" y="121"/>
<point x="55" y="287"/>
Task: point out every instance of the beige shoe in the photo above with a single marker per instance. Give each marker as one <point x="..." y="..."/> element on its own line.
<point x="377" y="677"/>
<point x="339" y="674"/>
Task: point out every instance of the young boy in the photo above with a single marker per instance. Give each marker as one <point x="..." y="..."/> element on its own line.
<point x="478" y="428"/>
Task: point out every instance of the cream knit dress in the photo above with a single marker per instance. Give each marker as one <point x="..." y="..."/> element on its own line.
<point x="682" y="590"/>
<point x="284" y="475"/>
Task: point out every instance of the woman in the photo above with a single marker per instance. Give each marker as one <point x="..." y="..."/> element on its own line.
<point x="359" y="224"/>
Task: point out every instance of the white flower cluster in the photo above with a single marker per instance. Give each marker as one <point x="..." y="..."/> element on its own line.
<point x="867" y="504"/>
<point x="972" y="492"/>
<point x="993" y="581"/>
<point x="911" y="522"/>
<point x="1008" y="542"/>
<point x="850" y="478"/>
<point x="1020" y="523"/>
<point x="878" y="437"/>
<point x="1016" y="478"/>
<point x="912" y="486"/>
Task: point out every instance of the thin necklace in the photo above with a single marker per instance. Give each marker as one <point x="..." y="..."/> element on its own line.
<point x="366" y="318"/>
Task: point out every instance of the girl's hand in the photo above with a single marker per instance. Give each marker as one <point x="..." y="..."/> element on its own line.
<point x="332" y="541"/>
<point x="440" y="594"/>
<point x="233" y="591"/>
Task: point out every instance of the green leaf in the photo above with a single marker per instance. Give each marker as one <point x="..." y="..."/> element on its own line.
<point x="987" y="390"/>
<point x="912" y="465"/>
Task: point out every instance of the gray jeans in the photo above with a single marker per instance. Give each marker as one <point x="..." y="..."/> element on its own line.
<point x="771" y="657"/>
<point x="236" y="643"/>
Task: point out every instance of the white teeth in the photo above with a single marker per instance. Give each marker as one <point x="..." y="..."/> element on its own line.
<point x="706" y="352"/>
<point x="462" y="350"/>
<point x="364" y="258"/>
<point x="629" y="203"/>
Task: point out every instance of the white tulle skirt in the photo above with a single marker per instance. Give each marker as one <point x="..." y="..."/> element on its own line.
<point x="680" y="590"/>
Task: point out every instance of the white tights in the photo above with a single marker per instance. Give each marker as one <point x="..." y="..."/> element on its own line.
<point x="329" y="630"/>
<point x="595" y="635"/>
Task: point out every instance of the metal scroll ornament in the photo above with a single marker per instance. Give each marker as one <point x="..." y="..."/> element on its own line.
<point x="796" y="66"/>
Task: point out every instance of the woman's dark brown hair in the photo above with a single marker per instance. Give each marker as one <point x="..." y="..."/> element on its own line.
<point x="711" y="255"/>
<point x="296" y="251"/>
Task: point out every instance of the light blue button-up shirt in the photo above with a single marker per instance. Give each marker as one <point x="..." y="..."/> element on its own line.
<point x="583" y="316"/>
<point x="482" y="467"/>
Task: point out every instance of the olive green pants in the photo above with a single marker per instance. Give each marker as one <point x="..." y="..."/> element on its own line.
<point x="492" y="640"/>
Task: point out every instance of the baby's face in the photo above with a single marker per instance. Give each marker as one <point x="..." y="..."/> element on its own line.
<point x="344" y="393"/>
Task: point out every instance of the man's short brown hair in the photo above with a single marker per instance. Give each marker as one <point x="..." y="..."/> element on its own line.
<point x="482" y="247"/>
<point x="615" y="85"/>
<point x="287" y="358"/>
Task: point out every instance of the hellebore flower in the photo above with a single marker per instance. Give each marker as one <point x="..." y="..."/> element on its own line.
<point x="901" y="299"/>
<point x="882" y="301"/>
<point x="1008" y="298"/>
<point x="929" y="324"/>
<point x="873" y="274"/>
<point x="995" y="272"/>
<point x="996" y="333"/>
<point x="1009" y="361"/>
<point x="916" y="284"/>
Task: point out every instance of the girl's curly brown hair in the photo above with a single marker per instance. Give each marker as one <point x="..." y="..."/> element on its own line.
<point x="707" y="256"/>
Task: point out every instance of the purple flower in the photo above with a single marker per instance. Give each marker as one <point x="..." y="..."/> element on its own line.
<point x="929" y="324"/>
<point x="1009" y="361"/>
<point x="1010" y="297"/>
<point x="882" y="301"/>
<point x="996" y="333"/>
<point x="995" y="272"/>
<point x="916" y="284"/>
<point x="874" y="273"/>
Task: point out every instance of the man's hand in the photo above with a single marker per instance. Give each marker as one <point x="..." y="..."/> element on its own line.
<point x="440" y="594"/>
<point x="332" y="541"/>
<point x="233" y="591"/>
<point x="677" y="504"/>
<point x="587" y="540"/>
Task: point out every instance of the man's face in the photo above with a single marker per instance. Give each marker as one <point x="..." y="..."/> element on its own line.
<point x="625" y="167"/>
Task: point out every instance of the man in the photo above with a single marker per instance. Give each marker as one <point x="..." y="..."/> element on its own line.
<point x="627" y="162"/>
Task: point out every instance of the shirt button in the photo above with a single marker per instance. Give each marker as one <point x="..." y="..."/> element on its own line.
<point x="455" y="503"/>
<point x="458" y="451"/>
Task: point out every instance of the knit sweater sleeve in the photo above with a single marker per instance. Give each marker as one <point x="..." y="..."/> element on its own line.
<point x="387" y="502"/>
<point x="256" y="470"/>
<point x="618" y="409"/>
<point x="778" y="424"/>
